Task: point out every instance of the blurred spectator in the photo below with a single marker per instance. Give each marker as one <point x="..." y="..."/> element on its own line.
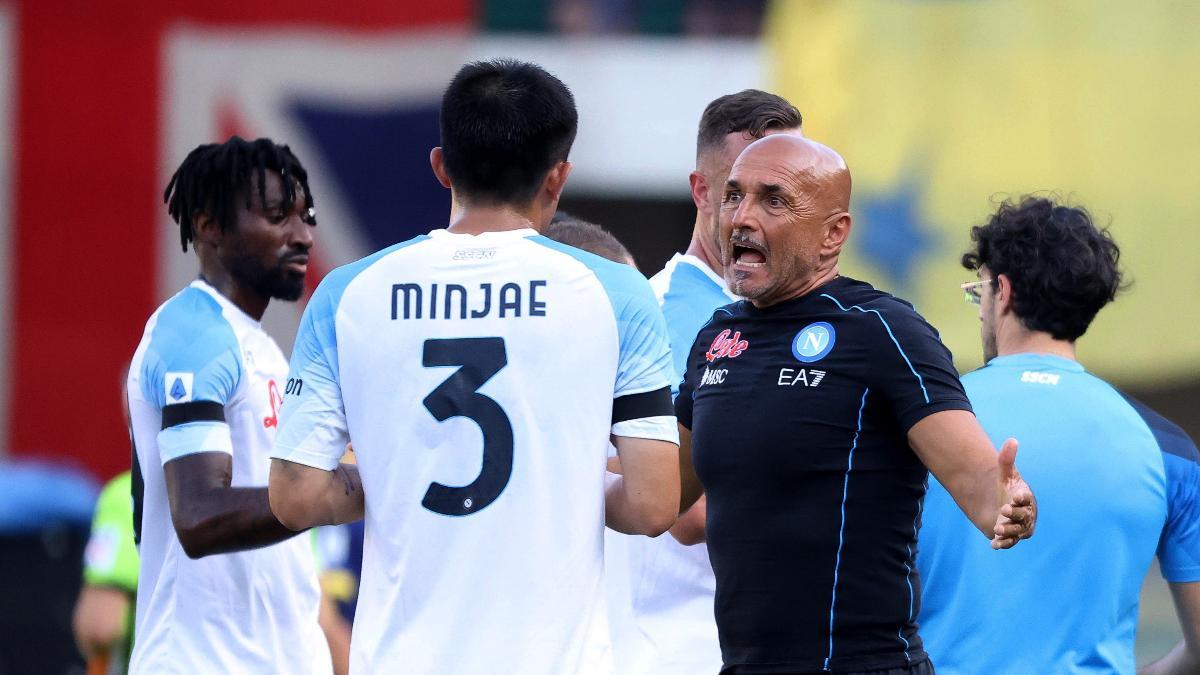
<point x="103" y="622"/>
<point x="44" y="511"/>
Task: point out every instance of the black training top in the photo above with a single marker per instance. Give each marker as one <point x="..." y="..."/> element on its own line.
<point x="799" y="414"/>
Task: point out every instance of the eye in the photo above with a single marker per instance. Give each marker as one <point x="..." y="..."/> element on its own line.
<point x="776" y="201"/>
<point x="731" y="197"/>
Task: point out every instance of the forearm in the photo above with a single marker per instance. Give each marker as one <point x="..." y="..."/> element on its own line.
<point x="225" y="519"/>
<point x="304" y="497"/>
<point x="976" y="494"/>
<point x="689" y="528"/>
<point x="690" y="489"/>
<point x="632" y="511"/>
<point x="1178" y="661"/>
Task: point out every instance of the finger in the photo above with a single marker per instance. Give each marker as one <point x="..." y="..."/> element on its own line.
<point x="1022" y="496"/>
<point x="1010" y="530"/>
<point x="1008" y="459"/>
<point x="1003" y="542"/>
<point x="1017" y="514"/>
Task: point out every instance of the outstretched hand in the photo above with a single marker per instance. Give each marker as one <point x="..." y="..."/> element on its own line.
<point x="1018" y="512"/>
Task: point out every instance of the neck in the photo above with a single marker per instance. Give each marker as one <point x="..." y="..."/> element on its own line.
<point x="806" y="286"/>
<point x="250" y="302"/>
<point x="477" y="219"/>
<point x="1022" y="341"/>
<point x="697" y="247"/>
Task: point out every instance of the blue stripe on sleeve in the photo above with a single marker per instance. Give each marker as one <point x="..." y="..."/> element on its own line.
<point x="920" y="380"/>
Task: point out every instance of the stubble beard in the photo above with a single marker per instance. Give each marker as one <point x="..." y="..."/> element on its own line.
<point x="277" y="283"/>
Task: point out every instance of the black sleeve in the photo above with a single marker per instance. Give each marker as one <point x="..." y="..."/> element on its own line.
<point x="911" y="367"/>
<point x="687" y="387"/>
<point x="683" y="403"/>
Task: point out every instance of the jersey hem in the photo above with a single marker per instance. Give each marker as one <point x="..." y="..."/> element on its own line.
<point x="838" y="665"/>
<point x="306" y="457"/>
<point x="908" y="421"/>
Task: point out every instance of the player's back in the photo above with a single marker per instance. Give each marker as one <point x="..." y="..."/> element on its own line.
<point x="1107" y="480"/>
<point x="478" y="376"/>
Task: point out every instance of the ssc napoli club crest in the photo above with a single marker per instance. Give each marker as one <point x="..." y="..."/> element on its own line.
<point x="814" y="342"/>
<point x="727" y="343"/>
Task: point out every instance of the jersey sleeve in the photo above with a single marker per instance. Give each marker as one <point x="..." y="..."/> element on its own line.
<point x="111" y="558"/>
<point x="191" y="369"/>
<point x="910" y="365"/>
<point x="312" y="419"/>
<point x="642" y="393"/>
<point x="1179" y="543"/>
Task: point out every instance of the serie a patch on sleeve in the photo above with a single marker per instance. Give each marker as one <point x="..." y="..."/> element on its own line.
<point x="178" y="387"/>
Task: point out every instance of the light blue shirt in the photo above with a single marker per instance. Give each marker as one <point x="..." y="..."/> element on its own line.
<point x="689" y="293"/>
<point x="1116" y="484"/>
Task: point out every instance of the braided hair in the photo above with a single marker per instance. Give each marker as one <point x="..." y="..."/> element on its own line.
<point x="213" y="175"/>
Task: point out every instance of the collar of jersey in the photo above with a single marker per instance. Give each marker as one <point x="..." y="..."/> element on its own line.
<point x="483" y="237"/>
<point x="1032" y="360"/>
<point x="684" y="258"/>
<point x="234" y="312"/>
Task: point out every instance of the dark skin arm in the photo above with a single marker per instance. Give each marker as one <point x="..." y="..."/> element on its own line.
<point x="212" y="517"/>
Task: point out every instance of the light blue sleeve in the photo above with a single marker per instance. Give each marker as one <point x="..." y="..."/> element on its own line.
<point x="1179" y="547"/>
<point x="644" y="363"/>
<point x="1179" y="543"/>
<point x="193" y="355"/>
<point x="312" y="419"/>
<point x="644" y="351"/>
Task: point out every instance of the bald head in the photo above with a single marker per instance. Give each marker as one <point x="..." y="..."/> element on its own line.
<point x="818" y="171"/>
<point x="785" y="215"/>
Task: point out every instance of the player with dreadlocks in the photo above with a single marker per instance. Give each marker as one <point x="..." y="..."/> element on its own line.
<point x="223" y="586"/>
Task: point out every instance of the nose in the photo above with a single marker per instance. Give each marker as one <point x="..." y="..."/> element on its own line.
<point x="743" y="216"/>
<point x="299" y="233"/>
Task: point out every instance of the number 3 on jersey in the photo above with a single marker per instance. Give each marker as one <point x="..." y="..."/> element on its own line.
<point x="459" y="396"/>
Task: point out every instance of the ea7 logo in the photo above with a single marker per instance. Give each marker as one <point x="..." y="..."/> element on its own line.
<point x="790" y="377"/>
<point x="710" y="377"/>
<point x="726" y="344"/>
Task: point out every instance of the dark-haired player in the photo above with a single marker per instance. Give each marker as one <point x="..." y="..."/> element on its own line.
<point x="818" y="406"/>
<point x="1117" y="482"/>
<point x="671" y="578"/>
<point x="220" y="590"/>
<point x="480" y="371"/>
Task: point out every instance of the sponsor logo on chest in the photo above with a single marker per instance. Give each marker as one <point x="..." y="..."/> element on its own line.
<point x="712" y="376"/>
<point x="727" y="344"/>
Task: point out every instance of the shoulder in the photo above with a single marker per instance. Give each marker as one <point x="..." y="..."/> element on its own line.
<point x="1171" y="438"/>
<point x="623" y="284"/>
<point x="190" y="330"/>
<point x="879" y="312"/>
<point x="329" y="292"/>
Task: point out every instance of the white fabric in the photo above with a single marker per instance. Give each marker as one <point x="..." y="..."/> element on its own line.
<point x="248" y="612"/>
<point x="514" y="586"/>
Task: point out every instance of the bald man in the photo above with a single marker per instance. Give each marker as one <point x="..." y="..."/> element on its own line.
<point x="816" y="408"/>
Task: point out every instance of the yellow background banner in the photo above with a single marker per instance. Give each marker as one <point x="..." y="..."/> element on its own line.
<point x="941" y="107"/>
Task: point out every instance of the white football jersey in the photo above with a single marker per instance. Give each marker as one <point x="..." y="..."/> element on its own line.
<point x="202" y="359"/>
<point x="479" y="378"/>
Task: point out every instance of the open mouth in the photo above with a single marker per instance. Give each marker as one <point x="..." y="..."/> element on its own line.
<point x="749" y="254"/>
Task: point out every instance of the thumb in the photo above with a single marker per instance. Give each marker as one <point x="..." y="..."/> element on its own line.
<point x="1008" y="460"/>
